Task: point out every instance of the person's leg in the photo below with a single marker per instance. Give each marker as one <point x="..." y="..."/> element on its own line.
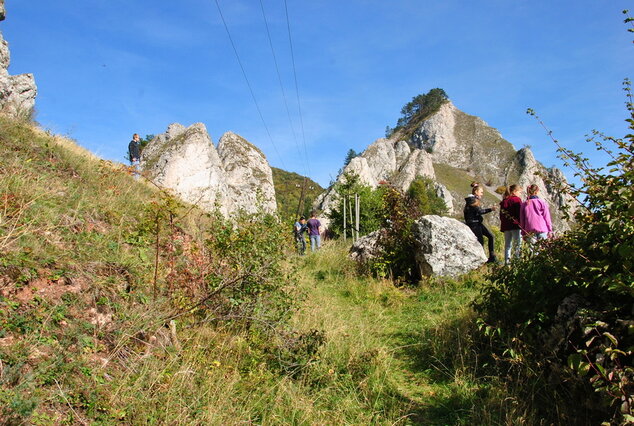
<point x="491" y="245"/>
<point x="318" y="238"/>
<point x="477" y="231"/>
<point x="313" y="242"/>
<point x="508" y="240"/>
<point x="542" y="235"/>
<point x="517" y="237"/>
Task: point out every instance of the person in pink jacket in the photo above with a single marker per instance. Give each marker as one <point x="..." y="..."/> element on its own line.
<point x="535" y="216"/>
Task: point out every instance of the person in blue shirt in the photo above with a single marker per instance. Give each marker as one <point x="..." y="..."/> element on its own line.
<point x="300" y="229"/>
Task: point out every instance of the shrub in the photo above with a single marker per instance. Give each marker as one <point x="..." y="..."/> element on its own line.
<point x="561" y="316"/>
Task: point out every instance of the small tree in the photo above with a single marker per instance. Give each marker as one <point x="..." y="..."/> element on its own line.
<point x="371" y="206"/>
<point x="422" y="192"/>
<point x="420" y="107"/>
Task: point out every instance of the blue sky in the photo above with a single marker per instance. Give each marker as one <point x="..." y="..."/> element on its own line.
<point x="108" y="68"/>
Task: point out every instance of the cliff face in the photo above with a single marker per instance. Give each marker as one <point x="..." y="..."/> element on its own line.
<point x="17" y="92"/>
<point x="234" y="177"/>
<point x="454" y="148"/>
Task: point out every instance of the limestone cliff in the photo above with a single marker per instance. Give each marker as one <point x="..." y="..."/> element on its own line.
<point x="17" y="92"/>
<point x="234" y="177"/>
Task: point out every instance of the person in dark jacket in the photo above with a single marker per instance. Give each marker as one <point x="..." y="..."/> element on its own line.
<point x="134" y="149"/>
<point x="134" y="153"/>
<point x="510" y="222"/>
<point x="473" y="212"/>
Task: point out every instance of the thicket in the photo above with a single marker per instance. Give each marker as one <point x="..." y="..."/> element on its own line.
<point x="418" y="109"/>
<point x="559" y="320"/>
<point x="288" y="194"/>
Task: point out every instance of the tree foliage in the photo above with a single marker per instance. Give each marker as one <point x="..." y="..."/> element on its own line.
<point x="370" y="206"/>
<point x="419" y="108"/>
<point x="422" y="192"/>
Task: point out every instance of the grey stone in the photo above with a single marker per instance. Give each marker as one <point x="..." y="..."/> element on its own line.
<point x="17" y="92"/>
<point x="366" y="248"/>
<point x="186" y="161"/>
<point x="446" y="247"/>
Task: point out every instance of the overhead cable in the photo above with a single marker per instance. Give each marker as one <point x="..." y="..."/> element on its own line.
<point x="279" y="77"/>
<point x="257" y="106"/>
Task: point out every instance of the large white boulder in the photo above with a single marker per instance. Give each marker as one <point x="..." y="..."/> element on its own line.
<point x="446" y="247"/>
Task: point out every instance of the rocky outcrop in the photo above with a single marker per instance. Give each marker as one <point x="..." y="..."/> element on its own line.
<point x="446" y="247"/>
<point x="17" y="92"/>
<point x="229" y="179"/>
<point x="466" y="142"/>
<point x="248" y="175"/>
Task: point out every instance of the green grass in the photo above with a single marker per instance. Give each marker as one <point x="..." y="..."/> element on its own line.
<point x="83" y="339"/>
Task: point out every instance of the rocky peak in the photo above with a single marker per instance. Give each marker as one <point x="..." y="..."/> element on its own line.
<point x="185" y="160"/>
<point x="454" y="148"/>
<point x="17" y="92"/>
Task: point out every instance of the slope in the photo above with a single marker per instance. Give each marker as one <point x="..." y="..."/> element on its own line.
<point x="288" y="191"/>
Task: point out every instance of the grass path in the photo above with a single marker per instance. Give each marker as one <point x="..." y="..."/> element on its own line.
<point x="408" y="340"/>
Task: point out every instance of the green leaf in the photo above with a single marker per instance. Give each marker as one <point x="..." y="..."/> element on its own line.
<point x="613" y="339"/>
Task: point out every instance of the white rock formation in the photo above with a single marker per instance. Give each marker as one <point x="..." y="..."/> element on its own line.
<point x="17" y="92"/>
<point x="446" y="247"/>
<point x="418" y="163"/>
<point x="235" y="177"/>
<point x="453" y="148"/>
<point x="186" y="161"/>
<point x="248" y="175"/>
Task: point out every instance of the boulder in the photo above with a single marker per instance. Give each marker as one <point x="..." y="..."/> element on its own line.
<point x="366" y="247"/>
<point x="247" y="174"/>
<point x="446" y="247"/>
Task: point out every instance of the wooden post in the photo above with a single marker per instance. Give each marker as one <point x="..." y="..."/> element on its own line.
<point x="344" y="218"/>
<point x="351" y="220"/>
<point x="358" y="213"/>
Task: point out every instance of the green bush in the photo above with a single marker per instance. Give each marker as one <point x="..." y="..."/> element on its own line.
<point x="561" y="316"/>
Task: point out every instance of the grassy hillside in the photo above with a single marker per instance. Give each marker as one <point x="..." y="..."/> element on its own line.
<point x="118" y="305"/>
<point x="288" y="190"/>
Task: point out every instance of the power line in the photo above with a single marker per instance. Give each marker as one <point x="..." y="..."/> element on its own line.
<point x="299" y="105"/>
<point x="257" y="106"/>
<point x="279" y="77"/>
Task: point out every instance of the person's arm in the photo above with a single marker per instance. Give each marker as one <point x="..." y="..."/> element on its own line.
<point x="549" y="224"/>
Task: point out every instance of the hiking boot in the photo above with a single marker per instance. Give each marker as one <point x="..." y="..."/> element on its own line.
<point x="493" y="259"/>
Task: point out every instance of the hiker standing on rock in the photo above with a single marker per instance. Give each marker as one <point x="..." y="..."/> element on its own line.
<point x="473" y="218"/>
<point x="510" y="222"/>
<point x="134" y="151"/>
<point x="314" y="227"/>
